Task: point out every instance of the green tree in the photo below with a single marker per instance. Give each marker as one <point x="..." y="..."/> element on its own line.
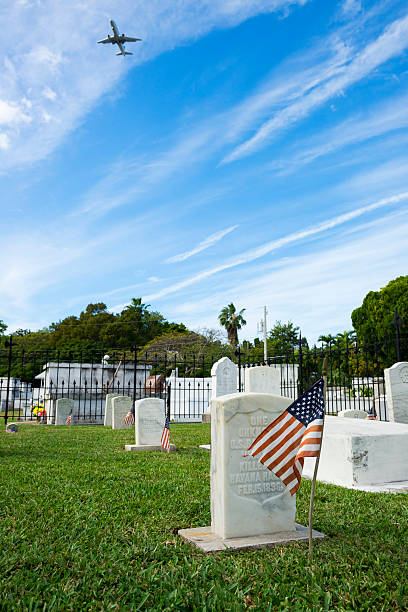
<point x="232" y="321"/>
<point x="283" y="339"/>
<point x="373" y="320"/>
<point x="3" y="327"/>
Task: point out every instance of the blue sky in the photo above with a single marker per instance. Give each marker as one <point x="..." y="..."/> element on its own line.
<point x="250" y="151"/>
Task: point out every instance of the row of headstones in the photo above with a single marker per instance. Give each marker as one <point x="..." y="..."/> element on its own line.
<point x="264" y="379"/>
<point x="149" y="418"/>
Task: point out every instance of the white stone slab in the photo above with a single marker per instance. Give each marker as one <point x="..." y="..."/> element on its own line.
<point x="149" y="421"/>
<point x="247" y="499"/>
<point x="224" y="376"/>
<point x="263" y="379"/>
<point x="63" y="409"/>
<point x="121" y="405"/>
<point x="352" y="414"/>
<point x="207" y="541"/>
<point x="107" y="421"/>
<point x="358" y="453"/>
<point x="206" y="447"/>
<point x="396" y="389"/>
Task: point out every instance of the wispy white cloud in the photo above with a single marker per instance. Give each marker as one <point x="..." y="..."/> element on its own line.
<point x="378" y="121"/>
<point x="392" y="42"/>
<point x="66" y="73"/>
<point x="318" y="290"/>
<point x="274" y="245"/>
<point x="204" y="244"/>
<point x="349" y="8"/>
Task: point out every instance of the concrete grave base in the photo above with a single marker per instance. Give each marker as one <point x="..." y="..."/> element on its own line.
<point x="148" y="447"/>
<point x="207" y="541"/>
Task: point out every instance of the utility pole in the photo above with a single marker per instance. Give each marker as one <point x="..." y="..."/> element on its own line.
<point x="264" y="331"/>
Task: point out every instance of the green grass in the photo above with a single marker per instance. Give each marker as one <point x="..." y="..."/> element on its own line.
<point x="87" y="526"/>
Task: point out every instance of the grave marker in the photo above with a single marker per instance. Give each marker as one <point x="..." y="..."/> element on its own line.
<point x="121" y="405"/>
<point x="250" y="506"/>
<point x="223" y="381"/>
<point x="396" y="389"/>
<point x="263" y="379"/>
<point x="149" y="423"/>
<point x="107" y="421"/>
<point x="63" y="408"/>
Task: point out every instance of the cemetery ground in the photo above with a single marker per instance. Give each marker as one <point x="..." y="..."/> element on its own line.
<point x="88" y="526"/>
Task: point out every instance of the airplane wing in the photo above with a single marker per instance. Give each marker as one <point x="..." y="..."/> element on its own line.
<point x="128" y="39"/>
<point x="105" y="40"/>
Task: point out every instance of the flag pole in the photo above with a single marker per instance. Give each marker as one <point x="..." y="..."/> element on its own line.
<point x="168" y="410"/>
<point x="324" y="376"/>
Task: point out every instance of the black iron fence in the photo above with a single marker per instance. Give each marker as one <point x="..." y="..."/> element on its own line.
<point x="31" y="382"/>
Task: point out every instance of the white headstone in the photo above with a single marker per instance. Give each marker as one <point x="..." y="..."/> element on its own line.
<point x="107" y="421"/>
<point x="121" y="405"/>
<point x="396" y="389"/>
<point x="263" y="379"/>
<point x="149" y="421"/>
<point x="224" y="378"/>
<point x="247" y="499"/>
<point x="350" y="413"/>
<point x="63" y="409"/>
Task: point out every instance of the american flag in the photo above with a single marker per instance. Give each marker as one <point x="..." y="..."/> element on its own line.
<point x="69" y="419"/>
<point x="165" y="439"/>
<point x="295" y="434"/>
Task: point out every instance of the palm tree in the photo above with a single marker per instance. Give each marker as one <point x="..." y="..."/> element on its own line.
<point x="232" y="321"/>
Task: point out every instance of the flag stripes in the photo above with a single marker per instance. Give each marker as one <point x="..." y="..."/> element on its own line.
<point x="294" y="435"/>
<point x="165" y="438"/>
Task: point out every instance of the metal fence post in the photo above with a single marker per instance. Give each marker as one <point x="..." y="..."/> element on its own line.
<point x="238" y="354"/>
<point x="10" y="354"/>
<point x="300" y="365"/>
<point x="397" y="324"/>
<point x="134" y="374"/>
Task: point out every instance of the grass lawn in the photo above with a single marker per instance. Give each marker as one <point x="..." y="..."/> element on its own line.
<point x="87" y="526"/>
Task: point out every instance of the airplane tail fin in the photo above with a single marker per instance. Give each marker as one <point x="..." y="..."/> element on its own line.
<point x="124" y="53"/>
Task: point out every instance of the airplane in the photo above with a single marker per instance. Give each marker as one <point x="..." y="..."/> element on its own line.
<point x="118" y="39"/>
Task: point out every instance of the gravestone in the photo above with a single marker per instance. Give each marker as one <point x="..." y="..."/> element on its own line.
<point x="107" y="421"/>
<point x="263" y="379"/>
<point x="63" y="408"/>
<point x="121" y="405"/>
<point x="396" y="389"/>
<point x="150" y="417"/>
<point x="246" y="498"/>
<point x="351" y="413"/>
<point x="224" y="378"/>
<point x="223" y="381"/>
<point x="250" y="505"/>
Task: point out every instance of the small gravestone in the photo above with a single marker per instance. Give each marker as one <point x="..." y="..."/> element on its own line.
<point x="396" y="389"/>
<point x="250" y="505"/>
<point x="12" y="428"/>
<point x="263" y="379"/>
<point x="352" y="414"/>
<point x="121" y="405"/>
<point x="64" y="406"/>
<point x="223" y="381"/>
<point x="150" y="418"/>
<point x="107" y="421"/>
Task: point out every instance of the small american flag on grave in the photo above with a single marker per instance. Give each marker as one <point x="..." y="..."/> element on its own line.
<point x="294" y="435"/>
<point x="165" y="439"/>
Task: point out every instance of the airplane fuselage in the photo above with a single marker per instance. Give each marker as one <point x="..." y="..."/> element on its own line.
<point x="118" y="39"/>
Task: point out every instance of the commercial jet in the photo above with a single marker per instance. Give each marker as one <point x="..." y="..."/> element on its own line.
<point x="118" y="39"/>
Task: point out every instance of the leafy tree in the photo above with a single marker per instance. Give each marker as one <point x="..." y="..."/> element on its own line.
<point x="232" y="321"/>
<point x="373" y="320"/>
<point x="283" y="339"/>
<point x="3" y="327"/>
